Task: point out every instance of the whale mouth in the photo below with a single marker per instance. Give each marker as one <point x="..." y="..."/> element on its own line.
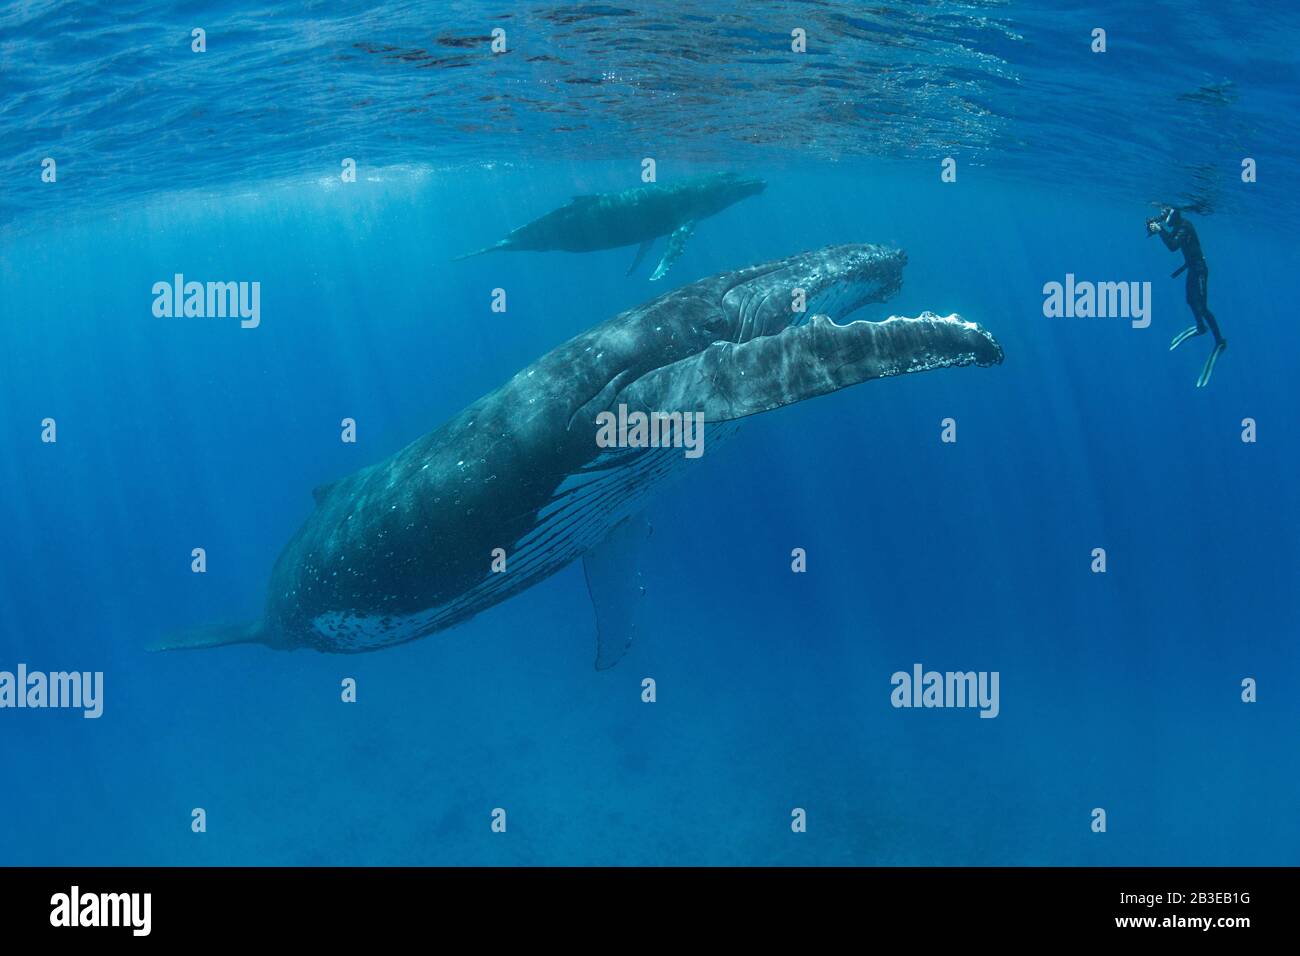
<point x="776" y="340"/>
<point x="835" y="282"/>
<point x="829" y="285"/>
<point x="800" y="308"/>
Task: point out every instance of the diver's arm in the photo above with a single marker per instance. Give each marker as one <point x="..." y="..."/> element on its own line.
<point x="1172" y="238"/>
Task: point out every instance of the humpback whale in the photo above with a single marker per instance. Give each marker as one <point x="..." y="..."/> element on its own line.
<point x="636" y="216"/>
<point x="404" y="548"/>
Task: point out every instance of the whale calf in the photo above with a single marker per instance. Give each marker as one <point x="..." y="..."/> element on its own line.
<point x="404" y="548"/>
<point x="636" y="216"/>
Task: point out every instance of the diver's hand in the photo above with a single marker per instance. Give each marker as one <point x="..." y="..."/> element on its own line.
<point x="1153" y="226"/>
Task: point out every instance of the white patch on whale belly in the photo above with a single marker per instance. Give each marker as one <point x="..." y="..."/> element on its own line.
<point x="348" y="631"/>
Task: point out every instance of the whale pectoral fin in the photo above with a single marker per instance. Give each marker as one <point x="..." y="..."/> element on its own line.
<point x="616" y="585"/>
<point x="676" y="243"/>
<point x="728" y="381"/>
<point x="640" y="254"/>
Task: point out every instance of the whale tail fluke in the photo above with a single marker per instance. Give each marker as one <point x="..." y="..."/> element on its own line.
<point x="212" y="635"/>
<point x="495" y="247"/>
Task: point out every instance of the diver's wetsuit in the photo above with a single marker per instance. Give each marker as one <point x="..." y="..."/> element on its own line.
<point x="1179" y="234"/>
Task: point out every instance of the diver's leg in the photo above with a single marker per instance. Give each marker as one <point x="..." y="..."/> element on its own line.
<point x="1203" y="294"/>
<point x="1214" y="327"/>
<point x="1199" y="327"/>
<point x="1205" y="316"/>
<point x="1196" y="297"/>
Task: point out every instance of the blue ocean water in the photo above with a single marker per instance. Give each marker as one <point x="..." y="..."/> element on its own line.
<point x="1119" y="691"/>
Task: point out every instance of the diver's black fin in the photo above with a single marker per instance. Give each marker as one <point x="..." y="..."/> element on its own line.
<point x="641" y="250"/>
<point x="1183" y="336"/>
<point x="213" y="635"/>
<point x="616" y="585"/>
<point x="676" y="243"/>
<point x="1208" y="370"/>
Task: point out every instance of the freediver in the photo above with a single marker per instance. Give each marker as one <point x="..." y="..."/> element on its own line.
<point x="1179" y="234"/>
